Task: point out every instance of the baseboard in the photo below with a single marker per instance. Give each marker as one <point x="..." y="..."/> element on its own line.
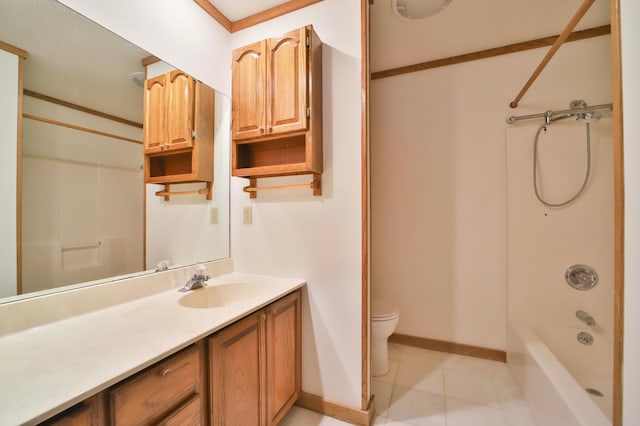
<point x="335" y="409"/>
<point x="451" y="347"/>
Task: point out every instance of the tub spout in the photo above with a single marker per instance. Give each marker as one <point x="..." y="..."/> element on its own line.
<point x="583" y="316"/>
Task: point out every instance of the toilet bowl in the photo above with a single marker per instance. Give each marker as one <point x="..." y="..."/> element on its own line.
<point x="384" y="318"/>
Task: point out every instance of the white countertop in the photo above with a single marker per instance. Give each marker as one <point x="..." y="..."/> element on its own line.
<point x="48" y="368"/>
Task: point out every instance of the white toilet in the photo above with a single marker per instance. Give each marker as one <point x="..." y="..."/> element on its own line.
<point x="384" y="318"/>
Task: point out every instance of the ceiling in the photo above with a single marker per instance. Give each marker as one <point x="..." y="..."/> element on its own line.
<point x="470" y="25"/>
<point x="235" y="10"/>
<point x="72" y="58"/>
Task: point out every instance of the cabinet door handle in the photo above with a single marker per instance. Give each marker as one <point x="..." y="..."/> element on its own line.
<point x="261" y="129"/>
<point x="269" y="129"/>
<point x="165" y="372"/>
<point x="263" y="316"/>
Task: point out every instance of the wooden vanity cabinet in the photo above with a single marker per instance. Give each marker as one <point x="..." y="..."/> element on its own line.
<point x="255" y="366"/>
<point x="248" y="373"/>
<point x="283" y="356"/>
<point x="276" y="102"/>
<point x="90" y="412"/>
<point x="168" y="393"/>
<point x="178" y="129"/>
<point x="236" y="372"/>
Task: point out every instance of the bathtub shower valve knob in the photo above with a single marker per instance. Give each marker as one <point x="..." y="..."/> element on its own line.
<point x="583" y="316"/>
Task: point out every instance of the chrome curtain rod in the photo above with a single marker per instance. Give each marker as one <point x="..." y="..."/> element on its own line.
<point x="514" y="118"/>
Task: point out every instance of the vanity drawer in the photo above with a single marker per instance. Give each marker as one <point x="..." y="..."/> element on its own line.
<point x="188" y="415"/>
<point x="158" y="391"/>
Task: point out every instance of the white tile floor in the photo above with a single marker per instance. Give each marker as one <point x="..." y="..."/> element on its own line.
<point x="437" y="389"/>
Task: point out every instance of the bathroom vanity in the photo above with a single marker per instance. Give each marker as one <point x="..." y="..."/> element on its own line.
<point x="224" y="354"/>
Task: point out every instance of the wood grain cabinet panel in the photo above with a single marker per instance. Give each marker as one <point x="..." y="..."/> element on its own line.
<point x="283" y="352"/>
<point x="247" y="374"/>
<point x="248" y="91"/>
<point x="154" y="114"/>
<point x="236" y="373"/>
<point x="277" y="106"/>
<point x="189" y="415"/>
<point x="287" y="72"/>
<point x="90" y="412"/>
<point x="159" y="392"/>
<point x="255" y="366"/>
<point x="178" y="129"/>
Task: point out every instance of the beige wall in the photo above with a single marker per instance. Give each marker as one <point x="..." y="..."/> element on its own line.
<point x="438" y="183"/>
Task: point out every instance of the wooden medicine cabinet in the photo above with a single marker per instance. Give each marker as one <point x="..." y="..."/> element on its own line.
<point x="178" y="132"/>
<point x="276" y="106"/>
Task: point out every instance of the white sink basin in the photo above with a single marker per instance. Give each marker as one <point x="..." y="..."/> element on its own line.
<point x="217" y="296"/>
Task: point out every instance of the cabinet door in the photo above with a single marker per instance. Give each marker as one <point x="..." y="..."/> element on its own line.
<point x="180" y="104"/>
<point x="248" y="91"/>
<point x="283" y="352"/>
<point x="237" y="371"/>
<point x="154" y="114"/>
<point x="287" y="71"/>
<point x="87" y="413"/>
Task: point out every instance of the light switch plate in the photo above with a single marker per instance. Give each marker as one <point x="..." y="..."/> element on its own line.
<point x="247" y="215"/>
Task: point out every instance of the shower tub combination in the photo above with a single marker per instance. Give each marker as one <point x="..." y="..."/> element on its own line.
<point x="561" y="358"/>
<point x="553" y="370"/>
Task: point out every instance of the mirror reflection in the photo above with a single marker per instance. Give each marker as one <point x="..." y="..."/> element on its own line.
<point x="86" y="213"/>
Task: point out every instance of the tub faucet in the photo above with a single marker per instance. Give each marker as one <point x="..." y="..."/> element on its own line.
<point x="583" y="316"/>
<point x="197" y="280"/>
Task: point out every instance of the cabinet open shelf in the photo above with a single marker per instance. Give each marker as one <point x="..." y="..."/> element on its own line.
<point x="170" y="165"/>
<point x="277" y="152"/>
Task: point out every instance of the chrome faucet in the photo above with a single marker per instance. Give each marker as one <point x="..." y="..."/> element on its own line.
<point x="583" y="316"/>
<point x="197" y="281"/>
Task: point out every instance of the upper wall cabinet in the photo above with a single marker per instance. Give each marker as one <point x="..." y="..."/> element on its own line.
<point x="178" y="130"/>
<point x="168" y="121"/>
<point x="277" y="107"/>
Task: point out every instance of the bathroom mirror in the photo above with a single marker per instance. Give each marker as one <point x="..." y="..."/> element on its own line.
<point x="86" y="212"/>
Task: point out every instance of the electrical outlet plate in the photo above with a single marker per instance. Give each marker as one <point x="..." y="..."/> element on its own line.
<point x="214" y="215"/>
<point x="247" y="218"/>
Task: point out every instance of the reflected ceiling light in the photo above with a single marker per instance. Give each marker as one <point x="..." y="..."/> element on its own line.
<point x="418" y="9"/>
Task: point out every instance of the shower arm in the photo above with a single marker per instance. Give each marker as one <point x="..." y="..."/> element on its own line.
<point x="549" y="114"/>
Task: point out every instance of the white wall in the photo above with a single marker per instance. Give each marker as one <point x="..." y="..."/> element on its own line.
<point x="178" y="32"/>
<point x="630" y="10"/>
<point x="438" y="183"/>
<point x="8" y="170"/>
<point x="317" y="238"/>
<point x="180" y="230"/>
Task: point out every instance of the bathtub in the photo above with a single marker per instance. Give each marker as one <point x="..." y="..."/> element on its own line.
<point x="552" y="370"/>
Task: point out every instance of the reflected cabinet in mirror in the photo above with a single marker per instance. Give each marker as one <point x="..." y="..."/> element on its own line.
<point x="73" y="160"/>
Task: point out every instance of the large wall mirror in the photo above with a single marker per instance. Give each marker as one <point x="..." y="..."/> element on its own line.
<point x="86" y="215"/>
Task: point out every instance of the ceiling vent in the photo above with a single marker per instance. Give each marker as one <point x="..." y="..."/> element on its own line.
<point x="418" y="9"/>
<point x="137" y="78"/>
